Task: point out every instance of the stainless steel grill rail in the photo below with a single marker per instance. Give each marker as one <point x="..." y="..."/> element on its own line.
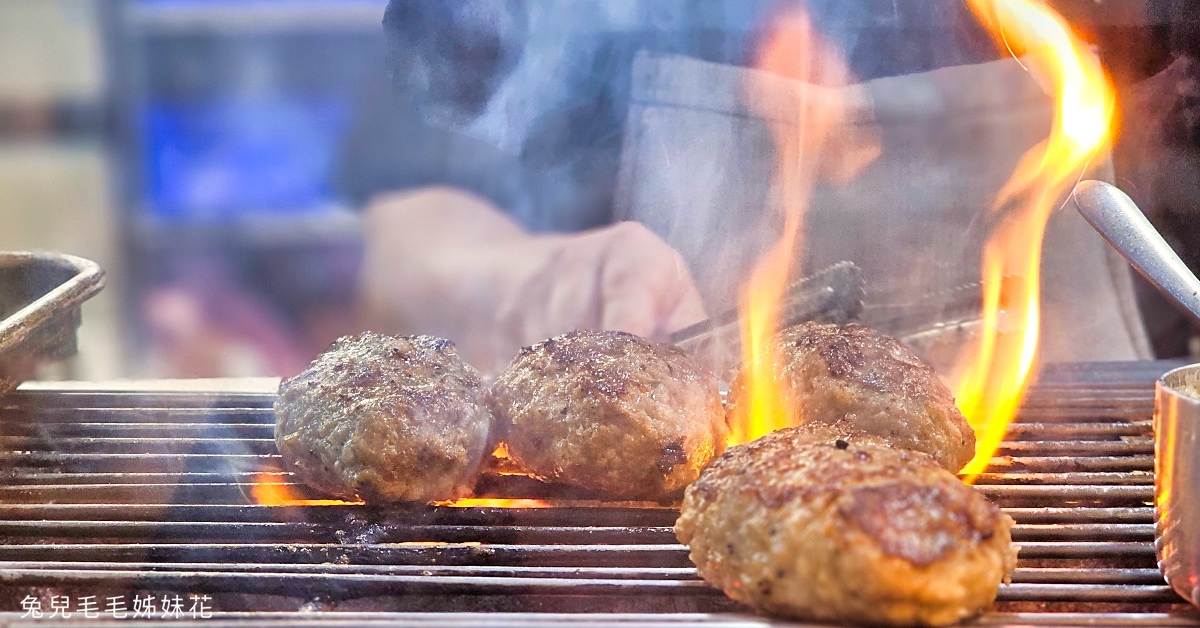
<point x="119" y="494"/>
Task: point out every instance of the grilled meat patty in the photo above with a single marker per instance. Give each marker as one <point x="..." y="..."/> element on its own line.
<point x="824" y="523"/>
<point x="834" y="372"/>
<point x="610" y="411"/>
<point x="389" y="419"/>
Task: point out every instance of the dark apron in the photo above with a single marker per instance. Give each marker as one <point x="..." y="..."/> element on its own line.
<point x="698" y="168"/>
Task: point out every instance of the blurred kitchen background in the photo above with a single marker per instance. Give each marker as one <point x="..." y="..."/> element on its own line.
<point x="189" y="147"/>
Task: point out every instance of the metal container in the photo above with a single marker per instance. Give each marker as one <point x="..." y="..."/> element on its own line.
<point x="40" y="299"/>
<point x="1177" y="479"/>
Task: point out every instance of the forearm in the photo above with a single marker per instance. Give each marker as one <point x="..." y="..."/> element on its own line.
<point x="437" y="217"/>
<point x="445" y="263"/>
<point x="436" y="261"/>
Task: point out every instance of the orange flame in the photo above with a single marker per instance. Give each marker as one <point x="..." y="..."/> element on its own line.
<point x="993" y="382"/>
<point x="492" y="502"/>
<point x="801" y="113"/>
<point x="438" y="544"/>
<point x="269" y="491"/>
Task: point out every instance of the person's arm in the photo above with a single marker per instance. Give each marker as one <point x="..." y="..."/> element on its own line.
<point x="444" y="262"/>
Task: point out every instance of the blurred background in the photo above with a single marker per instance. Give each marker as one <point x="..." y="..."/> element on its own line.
<point x="190" y="147"/>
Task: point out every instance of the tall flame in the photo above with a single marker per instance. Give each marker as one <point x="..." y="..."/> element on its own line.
<point x="995" y="376"/>
<point x="801" y="113"/>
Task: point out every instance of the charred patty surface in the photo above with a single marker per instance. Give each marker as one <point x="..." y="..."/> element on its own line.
<point x="835" y="372"/>
<point x="385" y="418"/>
<point x="823" y="523"/>
<point x="610" y="411"/>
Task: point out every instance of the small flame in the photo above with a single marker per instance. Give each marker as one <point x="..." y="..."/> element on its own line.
<point x="995" y="376"/>
<point x="490" y="502"/>
<point x="438" y="544"/>
<point x="269" y="491"/>
<point x="801" y="114"/>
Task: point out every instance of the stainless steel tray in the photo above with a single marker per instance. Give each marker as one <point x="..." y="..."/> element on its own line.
<point x="40" y="299"/>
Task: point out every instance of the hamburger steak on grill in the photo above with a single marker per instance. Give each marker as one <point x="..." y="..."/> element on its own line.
<point x="385" y="418"/>
<point x="833" y="372"/>
<point x="824" y="523"/>
<point x="610" y="411"/>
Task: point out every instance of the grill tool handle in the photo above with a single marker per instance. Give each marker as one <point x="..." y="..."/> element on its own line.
<point x="833" y="295"/>
<point x="1119" y="220"/>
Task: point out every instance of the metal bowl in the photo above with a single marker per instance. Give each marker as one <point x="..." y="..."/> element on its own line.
<point x="1177" y="479"/>
<point x="40" y="299"/>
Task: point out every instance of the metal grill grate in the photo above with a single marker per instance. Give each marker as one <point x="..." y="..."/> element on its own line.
<point x="117" y="494"/>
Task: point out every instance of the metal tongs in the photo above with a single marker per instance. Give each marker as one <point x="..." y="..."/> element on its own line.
<point x="1119" y="220"/>
<point x="833" y="295"/>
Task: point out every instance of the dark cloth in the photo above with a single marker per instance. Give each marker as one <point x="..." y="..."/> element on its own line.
<point x="523" y="101"/>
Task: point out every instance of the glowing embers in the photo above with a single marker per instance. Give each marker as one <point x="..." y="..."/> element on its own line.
<point x="273" y="487"/>
<point x="995" y="372"/>
<point x="491" y="502"/>
<point x="269" y="490"/>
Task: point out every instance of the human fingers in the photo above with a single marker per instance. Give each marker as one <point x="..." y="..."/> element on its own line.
<point x="646" y="287"/>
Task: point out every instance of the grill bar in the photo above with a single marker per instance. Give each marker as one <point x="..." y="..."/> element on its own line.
<point x="608" y="555"/>
<point x="1023" y="575"/>
<point x="470" y="552"/>
<point x="198" y="491"/>
<point x="1075" y="464"/>
<point x="559" y="535"/>
<point x="1079" y="492"/>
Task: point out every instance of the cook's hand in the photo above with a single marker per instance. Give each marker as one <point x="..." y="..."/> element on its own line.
<point x="621" y="277"/>
<point x="447" y="263"/>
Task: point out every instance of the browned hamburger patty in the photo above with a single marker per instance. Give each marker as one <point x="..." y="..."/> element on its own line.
<point x="385" y="418"/>
<point x="834" y="372"/>
<point x="817" y="523"/>
<point x="610" y="411"/>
